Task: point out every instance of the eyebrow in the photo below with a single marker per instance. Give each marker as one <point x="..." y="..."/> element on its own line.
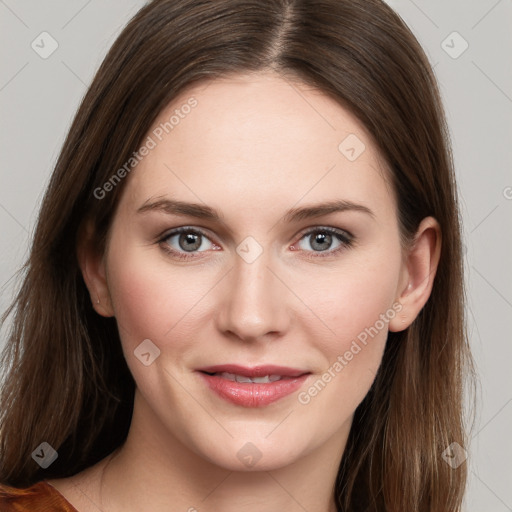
<point x="201" y="211"/>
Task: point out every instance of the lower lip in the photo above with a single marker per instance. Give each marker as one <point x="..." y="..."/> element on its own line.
<point x="249" y="394"/>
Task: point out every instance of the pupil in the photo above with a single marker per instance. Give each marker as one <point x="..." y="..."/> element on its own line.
<point x="322" y="241"/>
<point x="189" y="242"/>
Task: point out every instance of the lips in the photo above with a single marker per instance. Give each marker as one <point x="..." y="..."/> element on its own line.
<point x="252" y="387"/>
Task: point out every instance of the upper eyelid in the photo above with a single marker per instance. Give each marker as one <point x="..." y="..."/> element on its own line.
<point x="176" y="231"/>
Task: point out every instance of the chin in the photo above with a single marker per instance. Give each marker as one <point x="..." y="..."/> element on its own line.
<point x="253" y="454"/>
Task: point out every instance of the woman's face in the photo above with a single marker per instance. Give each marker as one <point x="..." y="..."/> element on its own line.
<point x="261" y="274"/>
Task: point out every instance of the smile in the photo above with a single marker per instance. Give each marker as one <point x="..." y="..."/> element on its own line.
<point x="252" y="387"/>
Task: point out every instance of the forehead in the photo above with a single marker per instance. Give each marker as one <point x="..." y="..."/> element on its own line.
<point x="258" y="141"/>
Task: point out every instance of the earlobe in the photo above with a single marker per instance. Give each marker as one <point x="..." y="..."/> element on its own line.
<point x="92" y="265"/>
<point x="420" y="269"/>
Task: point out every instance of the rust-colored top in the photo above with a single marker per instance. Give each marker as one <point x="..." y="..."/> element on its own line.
<point x="41" y="497"/>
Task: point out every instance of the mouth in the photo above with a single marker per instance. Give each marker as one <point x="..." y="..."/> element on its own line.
<point x="253" y="387"/>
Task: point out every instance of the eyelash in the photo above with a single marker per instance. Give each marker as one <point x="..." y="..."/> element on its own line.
<point x="345" y="238"/>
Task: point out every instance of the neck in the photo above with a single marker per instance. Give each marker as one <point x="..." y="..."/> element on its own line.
<point x="153" y="469"/>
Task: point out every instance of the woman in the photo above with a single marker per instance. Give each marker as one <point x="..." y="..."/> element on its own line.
<point x="245" y="288"/>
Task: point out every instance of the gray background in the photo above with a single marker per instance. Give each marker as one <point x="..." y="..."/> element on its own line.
<point x="38" y="99"/>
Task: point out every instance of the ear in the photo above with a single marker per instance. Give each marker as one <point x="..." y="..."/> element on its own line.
<point x="92" y="265"/>
<point x="418" y="273"/>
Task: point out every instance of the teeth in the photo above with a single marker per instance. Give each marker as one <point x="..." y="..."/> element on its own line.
<point x="242" y="378"/>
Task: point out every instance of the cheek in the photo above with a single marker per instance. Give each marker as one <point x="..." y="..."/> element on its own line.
<point x="355" y="307"/>
<point x="353" y="299"/>
<point x="151" y="299"/>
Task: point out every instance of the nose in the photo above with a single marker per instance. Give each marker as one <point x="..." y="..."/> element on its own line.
<point x="253" y="301"/>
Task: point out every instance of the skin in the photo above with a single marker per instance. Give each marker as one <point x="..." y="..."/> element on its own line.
<point x="253" y="148"/>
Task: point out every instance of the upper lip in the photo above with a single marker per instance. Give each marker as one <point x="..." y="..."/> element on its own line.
<point x="255" y="371"/>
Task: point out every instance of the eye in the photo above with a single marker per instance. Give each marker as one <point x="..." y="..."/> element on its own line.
<point x="181" y="241"/>
<point x="185" y="242"/>
<point x="325" y="240"/>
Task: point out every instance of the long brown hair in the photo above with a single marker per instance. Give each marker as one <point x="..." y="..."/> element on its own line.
<point x="66" y="381"/>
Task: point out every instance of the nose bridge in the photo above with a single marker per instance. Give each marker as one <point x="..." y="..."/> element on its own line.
<point x="255" y="301"/>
